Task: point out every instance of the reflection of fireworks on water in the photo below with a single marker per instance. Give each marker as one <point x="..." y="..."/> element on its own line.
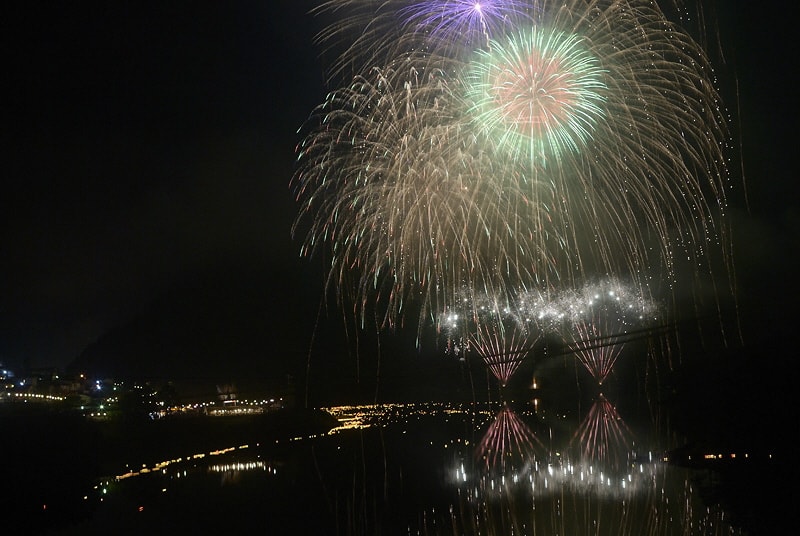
<point x="504" y="146"/>
<point x="513" y="459"/>
<point x="587" y="494"/>
<point x="654" y="504"/>
<point x="508" y="442"/>
<point x="603" y="435"/>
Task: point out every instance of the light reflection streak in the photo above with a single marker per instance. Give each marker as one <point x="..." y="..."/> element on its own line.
<point x="508" y="441"/>
<point x="514" y="458"/>
<point x="161" y="466"/>
<point x="604" y="488"/>
<point x="603" y="436"/>
<point x="239" y="466"/>
<point x="510" y="482"/>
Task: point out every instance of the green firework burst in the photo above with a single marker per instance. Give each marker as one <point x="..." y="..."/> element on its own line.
<point x="540" y="93"/>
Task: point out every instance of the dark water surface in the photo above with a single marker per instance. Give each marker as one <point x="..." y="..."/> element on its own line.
<point x="593" y="465"/>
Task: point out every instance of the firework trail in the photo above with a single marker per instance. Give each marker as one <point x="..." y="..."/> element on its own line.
<point x="509" y="146"/>
<point x="594" y="321"/>
<point x="503" y="351"/>
<point x="498" y="329"/>
<point x="401" y="192"/>
<point x="600" y="318"/>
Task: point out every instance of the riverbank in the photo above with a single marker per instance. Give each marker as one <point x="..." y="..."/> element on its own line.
<point x="48" y="454"/>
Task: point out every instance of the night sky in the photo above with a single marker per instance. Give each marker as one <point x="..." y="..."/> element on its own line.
<point x="147" y="144"/>
<point x="144" y="143"/>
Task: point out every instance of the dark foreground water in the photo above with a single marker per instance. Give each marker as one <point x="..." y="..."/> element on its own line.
<point x="595" y="466"/>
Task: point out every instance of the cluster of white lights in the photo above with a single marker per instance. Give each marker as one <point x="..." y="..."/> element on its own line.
<point x="36" y="397"/>
<point x="242" y="466"/>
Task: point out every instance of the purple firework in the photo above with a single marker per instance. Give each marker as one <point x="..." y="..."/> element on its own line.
<point x="470" y="21"/>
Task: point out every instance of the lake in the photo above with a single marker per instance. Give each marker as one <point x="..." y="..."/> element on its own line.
<point x="596" y="463"/>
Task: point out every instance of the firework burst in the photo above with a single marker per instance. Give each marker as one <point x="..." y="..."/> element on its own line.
<point x="463" y="25"/>
<point x="540" y="95"/>
<point x="507" y="146"/>
<point x="395" y="182"/>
